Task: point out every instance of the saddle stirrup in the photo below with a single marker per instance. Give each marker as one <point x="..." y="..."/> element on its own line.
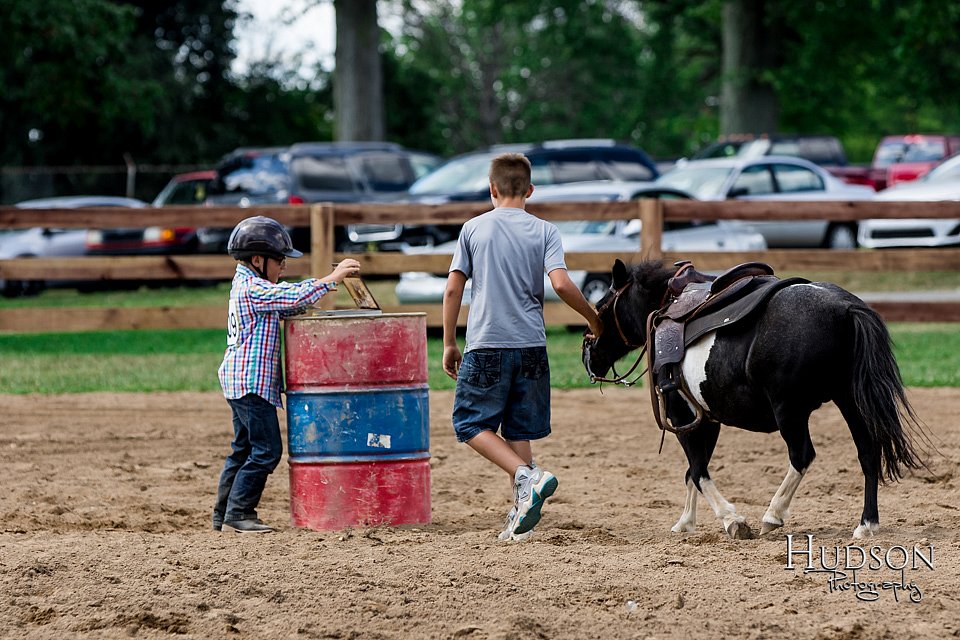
<point x="666" y="423"/>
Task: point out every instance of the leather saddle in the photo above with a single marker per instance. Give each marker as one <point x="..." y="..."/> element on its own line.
<point x="697" y="304"/>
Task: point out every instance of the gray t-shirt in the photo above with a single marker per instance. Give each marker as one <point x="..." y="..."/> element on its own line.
<point x="506" y="252"/>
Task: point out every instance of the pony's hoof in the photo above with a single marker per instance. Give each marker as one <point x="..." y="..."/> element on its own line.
<point x="767" y="527"/>
<point x="739" y="531"/>
<point x="866" y="530"/>
<point x="684" y="527"/>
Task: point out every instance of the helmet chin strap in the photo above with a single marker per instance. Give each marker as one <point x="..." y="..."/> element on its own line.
<point x="260" y="272"/>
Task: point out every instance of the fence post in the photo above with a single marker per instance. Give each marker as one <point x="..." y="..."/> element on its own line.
<point x="131" y="175"/>
<point x="651" y="230"/>
<point x="321" y="246"/>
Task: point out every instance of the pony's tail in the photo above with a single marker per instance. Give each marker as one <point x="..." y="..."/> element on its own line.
<point x="879" y="395"/>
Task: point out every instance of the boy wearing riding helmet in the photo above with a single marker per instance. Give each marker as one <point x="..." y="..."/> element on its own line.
<point x="503" y="379"/>
<point x="250" y="373"/>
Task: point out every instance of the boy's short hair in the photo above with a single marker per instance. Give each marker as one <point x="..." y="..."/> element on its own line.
<point x="510" y="174"/>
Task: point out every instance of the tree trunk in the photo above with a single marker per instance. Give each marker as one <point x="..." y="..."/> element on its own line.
<point x="748" y="103"/>
<point x="358" y="78"/>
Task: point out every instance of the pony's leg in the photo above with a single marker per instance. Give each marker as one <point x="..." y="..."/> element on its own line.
<point x="869" y="456"/>
<point x="795" y="431"/>
<point x="699" y="446"/>
<point x="779" y="508"/>
<point x="688" y="519"/>
<point x="733" y="523"/>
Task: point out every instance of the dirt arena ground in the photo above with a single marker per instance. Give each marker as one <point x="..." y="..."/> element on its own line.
<point x="105" y="534"/>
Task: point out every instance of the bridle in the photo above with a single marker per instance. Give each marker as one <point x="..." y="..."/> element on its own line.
<point x="617" y="379"/>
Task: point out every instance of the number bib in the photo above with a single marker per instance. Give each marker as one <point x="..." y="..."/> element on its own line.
<point x="233" y="323"/>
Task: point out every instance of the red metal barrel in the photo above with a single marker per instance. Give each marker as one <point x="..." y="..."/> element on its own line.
<point x="358" y="420"/>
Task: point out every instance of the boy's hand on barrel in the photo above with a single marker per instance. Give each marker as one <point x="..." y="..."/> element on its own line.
<point x="451" y="360"/>
<point x="348" y="267"/>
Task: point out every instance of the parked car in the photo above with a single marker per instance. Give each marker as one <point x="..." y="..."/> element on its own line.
<point x="317" y="172"/>
<point x="909" y="157"/>
<point x="48" y="242"/>
<point x="773" y="178"/>
<point x="186" y="189"/>
<point x="183" y="189"/>
<point x="818" y="149"/>
<point x="465" y="178"/>
<point x="901" y="158"/>
<point x="941" y="183"/>
<point x="621" y="236"/>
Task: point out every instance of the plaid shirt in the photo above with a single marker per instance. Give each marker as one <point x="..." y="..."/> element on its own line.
<point x="252" y="361"/>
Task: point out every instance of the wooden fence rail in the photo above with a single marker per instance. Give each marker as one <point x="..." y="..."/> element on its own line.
<point x="322" y="218"/>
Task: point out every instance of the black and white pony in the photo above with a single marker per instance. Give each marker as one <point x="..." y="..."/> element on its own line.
<point x="811" y="343"/>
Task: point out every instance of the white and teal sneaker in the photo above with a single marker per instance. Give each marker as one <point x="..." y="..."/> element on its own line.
<point x="532" y="486"/>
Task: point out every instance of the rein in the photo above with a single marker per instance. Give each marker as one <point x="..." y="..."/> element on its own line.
<point x="619" y="379"/>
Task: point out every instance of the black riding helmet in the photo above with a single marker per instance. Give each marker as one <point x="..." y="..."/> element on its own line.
<point x="261" y="236"/>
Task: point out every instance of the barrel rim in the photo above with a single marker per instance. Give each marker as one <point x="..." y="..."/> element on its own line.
<point x="301" y="390"/>
<point x="355" y="316"/>
<point x="414" y="456"/>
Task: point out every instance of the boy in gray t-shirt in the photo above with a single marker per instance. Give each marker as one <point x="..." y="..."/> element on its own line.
<point x="503" y="379"/>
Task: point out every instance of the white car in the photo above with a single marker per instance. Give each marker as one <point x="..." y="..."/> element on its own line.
<point x="941" y="183"/>
<point x="615" y="236"/>
<point x="46" y="242"/>
<point x="773" y="178"/>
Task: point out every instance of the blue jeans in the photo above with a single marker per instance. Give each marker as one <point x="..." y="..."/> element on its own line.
<point x="503" y="387"/>
<point x="257" y="449"/>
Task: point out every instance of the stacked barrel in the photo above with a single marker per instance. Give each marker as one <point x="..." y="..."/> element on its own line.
<point x="357" y="420"/>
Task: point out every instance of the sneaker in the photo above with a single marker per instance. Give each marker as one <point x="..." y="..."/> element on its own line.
<point x="247" y="526"/>
<point x="507" y="534"/>
<point x="533" y="486"/>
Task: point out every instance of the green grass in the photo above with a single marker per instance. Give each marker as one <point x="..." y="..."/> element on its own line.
<point x="111" y="361"/>
<point x="928" y="354"/>
<point x="175" y="360"/>
<point x="187" y="360"/>
<point x="383" y="291"/>
<point x="142" y="297"/>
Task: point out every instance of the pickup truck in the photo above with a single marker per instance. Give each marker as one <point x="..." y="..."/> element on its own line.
<point x="900" y="158"/>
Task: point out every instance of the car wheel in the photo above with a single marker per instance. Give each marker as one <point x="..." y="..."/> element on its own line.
<point x="841" y="236"/>
<point x="595" y="287"/>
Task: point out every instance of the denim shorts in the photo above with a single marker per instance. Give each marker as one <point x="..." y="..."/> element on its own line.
<point x="507" y="389"/>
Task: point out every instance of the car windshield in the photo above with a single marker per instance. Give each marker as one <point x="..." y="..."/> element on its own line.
<point x="703" y="183"/>
<point x="262" y="174"/>
<point x="949" y="171"/>
<point x="894" y="151"/>
<point x="322" y="173"/>
<point x="423" y="163"/>
<point x="459" y="175"/>
<point x="580" y="227"/>
<point x="726" y="149"/>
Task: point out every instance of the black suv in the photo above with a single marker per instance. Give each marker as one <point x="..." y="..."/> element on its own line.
<point x="314" y="172"/>
<point x="465" y="178"/>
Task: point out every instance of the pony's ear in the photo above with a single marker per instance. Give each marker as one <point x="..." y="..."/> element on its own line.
<point x="619" y="274"/>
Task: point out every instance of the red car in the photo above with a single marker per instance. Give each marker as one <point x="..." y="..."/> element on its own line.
<point x="900" y="159"/>
<point x="909" y="157"/>
<point x="183" y="189"/>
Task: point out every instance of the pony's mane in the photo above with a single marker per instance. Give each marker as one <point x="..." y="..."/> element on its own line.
<point x="650" y="273"/>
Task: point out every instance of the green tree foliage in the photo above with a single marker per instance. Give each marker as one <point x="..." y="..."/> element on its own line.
<point x="71" y="80"/>
<point x="496" y="71"/>
<point x="84" y="81"/>
<point x="864" y="68"/>
<point x="99" y="78"/>
<point x="500" y="71"/>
